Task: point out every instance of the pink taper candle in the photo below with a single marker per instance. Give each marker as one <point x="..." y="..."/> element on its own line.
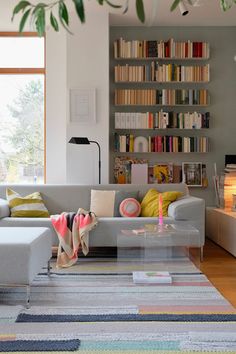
<point x="160" y="210"/>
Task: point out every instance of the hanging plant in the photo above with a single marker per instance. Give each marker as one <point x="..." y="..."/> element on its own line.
<point x="56" y="13"/>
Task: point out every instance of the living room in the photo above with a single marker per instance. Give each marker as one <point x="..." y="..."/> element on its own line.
<point x="79" y="68"/>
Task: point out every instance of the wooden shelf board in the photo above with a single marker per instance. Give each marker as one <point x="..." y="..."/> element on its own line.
<point x="149" y="153"/>
<point x="164" y="59"/>
<point x="164" y="129"/>
<point x="161" y="82"/>
<point x="161" y="105"/>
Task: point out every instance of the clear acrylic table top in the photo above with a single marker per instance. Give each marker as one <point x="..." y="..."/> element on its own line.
<point x="166" y="245"/>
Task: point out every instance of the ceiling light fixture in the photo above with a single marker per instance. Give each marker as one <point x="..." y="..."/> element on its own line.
<point x="183" y="9"/>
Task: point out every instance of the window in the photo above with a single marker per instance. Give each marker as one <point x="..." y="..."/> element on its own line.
<point x="22" y="118"/>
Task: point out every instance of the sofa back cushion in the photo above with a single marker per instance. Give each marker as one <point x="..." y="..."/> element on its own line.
<point x="59" y="198"/>
<point x="122" y="195"/>
<point x="150" y="203"/>
<point x="102" y="202"/>
<point x="130" y="208"/>
<point x="4" y="208"/>
<point x="30" y="206"/>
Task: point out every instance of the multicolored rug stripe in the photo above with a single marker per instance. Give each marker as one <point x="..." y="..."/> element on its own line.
<point x="110" y="314"/>
<point x="162" y="317"/>
<point x="37" y="346"/>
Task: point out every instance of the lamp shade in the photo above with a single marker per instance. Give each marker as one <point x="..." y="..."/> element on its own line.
<point x="79" y="141"/>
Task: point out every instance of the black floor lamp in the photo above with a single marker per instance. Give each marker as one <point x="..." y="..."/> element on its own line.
<point x="86" y="141"/>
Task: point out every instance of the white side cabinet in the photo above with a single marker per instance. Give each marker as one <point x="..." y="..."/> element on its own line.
<point x="221" y="228"/>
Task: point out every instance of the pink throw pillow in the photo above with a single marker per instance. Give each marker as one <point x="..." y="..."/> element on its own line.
<point x="130" y="208"/>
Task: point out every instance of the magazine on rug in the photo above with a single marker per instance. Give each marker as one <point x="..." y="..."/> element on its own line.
<point x="152" y="277"/>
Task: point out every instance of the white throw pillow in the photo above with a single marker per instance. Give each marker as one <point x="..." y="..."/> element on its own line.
<point x="102" y="202"/>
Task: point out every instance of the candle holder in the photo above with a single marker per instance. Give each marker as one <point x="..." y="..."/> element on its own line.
<point x="160" y="202"/>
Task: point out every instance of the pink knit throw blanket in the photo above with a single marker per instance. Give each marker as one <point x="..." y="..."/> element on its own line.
<point x="73" y="232"/>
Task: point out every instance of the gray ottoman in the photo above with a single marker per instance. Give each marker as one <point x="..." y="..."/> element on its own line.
<point x="23" y="253"/>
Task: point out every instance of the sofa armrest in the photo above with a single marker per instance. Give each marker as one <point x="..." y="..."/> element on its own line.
<point x="187" y="208"/>
<point x="192" y="211"/>
<point x="4" y="208"/>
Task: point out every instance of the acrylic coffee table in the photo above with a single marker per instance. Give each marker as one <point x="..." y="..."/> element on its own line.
<point x="167" y="245"/>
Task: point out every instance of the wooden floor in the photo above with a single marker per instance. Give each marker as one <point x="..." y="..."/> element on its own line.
<point x="220" y="268"/>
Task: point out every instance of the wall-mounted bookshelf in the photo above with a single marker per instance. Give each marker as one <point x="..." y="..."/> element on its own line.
<point x="159" y="95"/>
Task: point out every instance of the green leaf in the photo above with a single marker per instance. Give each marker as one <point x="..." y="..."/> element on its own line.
<point x="113" y="5"/>
<point x="40" y="21"/>
<point x="100" y="2"/>
<point x="63" y="16"/>
<point x="174" y="5"/>
<point x="140" y="10"/>
<point x="126" y="7"/>
<point x="79" y="6"/>
<point x="54" y="22"/>
<point x="23" y="20"/>
<point x="20" y="6"/>
<point x="225" y="5"/>
<point x="38" y="8"/>
<point x="63" y="13"/>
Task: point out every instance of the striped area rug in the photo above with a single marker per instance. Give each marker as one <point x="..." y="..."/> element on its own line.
<point x="97" y="303"/>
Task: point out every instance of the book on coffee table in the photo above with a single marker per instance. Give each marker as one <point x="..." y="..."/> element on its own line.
<point x="152" y="277"/>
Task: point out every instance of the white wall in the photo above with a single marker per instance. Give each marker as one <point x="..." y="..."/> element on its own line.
<point x="88" y="67"/>
<point x="56" y="106"/>
<point x="6" y="9"/>
<point x="79" y="60"/>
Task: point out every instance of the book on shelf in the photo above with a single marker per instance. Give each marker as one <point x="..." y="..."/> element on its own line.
<point x="152" y="277"/>
<point x="230" y="168"/>
<point x="164" y="97"/>
<point x="159" y="143"/>
<point x="139" y="173"/>
<point x="155" y="72"/>
<point x="163" y="173"/>
<point x="122" y="168"/>
<point x="139" y="231"/>
<point x="161" y="120"/>
<point x="161" y="49"/>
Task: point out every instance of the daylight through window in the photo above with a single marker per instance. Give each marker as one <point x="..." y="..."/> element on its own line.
<point x="22" y="78"/>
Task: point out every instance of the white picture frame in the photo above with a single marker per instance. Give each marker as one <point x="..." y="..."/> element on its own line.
<point x="83" y="105"/>
<point x="192" y="174"/>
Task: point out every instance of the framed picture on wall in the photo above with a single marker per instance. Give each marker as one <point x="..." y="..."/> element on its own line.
<point x="83" y="105"/>
<point x="192" y="173"/>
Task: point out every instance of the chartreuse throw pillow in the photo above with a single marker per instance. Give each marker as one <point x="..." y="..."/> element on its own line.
<point x="30" y="206"/>
<point x="150" y="202"/>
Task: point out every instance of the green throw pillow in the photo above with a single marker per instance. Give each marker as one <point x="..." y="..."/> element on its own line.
<point x="31" y="206"/>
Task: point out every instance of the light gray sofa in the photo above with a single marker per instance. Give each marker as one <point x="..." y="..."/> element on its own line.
<point x="58" y="198"/>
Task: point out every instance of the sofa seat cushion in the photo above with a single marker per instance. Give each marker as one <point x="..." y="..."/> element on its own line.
<point x="30" y="222"/>
<point x="104" y="234"/>
<point x="23" y="252"/>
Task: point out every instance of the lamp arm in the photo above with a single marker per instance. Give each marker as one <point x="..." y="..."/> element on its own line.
<point x="99" y="158"/>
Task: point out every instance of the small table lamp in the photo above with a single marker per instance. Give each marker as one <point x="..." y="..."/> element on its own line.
<point x="86" y="141"/>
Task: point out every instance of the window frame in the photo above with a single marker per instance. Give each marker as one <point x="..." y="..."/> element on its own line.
<point x="25" y="71"/>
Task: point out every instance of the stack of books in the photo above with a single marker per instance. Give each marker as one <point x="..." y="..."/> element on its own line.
<point x="231" y="168"/>
<point x="152" y="277"/>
